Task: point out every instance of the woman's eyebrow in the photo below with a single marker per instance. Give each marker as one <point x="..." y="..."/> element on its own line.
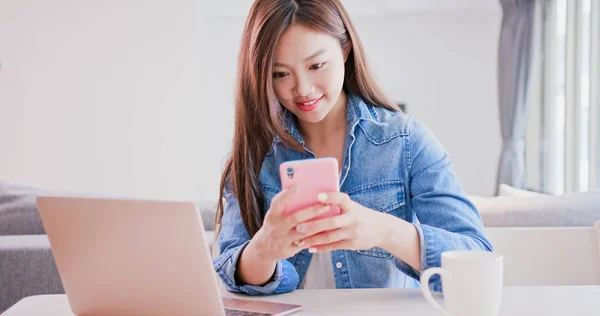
<point x="317" y="53"/>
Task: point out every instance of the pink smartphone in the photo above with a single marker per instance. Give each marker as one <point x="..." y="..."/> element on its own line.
<point x="313" y="176"/>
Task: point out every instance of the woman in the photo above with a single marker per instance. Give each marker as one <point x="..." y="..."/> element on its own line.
<point x="305" y="91"/>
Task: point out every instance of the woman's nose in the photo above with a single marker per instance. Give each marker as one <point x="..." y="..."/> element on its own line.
<point x="304" y="87"/>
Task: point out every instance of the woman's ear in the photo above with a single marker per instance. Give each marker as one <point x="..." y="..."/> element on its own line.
<point x="347" y="53"/>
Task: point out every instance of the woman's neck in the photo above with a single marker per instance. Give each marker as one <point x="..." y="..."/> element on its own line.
<point x="332" y="125"/>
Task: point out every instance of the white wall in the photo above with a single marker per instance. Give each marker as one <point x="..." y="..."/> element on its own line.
<point x="135" y="98"/>
<point x="443" y="65"/>
<point x="110" y="96"/>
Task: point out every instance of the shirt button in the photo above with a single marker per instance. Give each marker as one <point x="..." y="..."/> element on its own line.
<point x="338" y="265"/>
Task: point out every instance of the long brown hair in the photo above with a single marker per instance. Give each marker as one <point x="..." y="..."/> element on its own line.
<point x="258" y="114"/>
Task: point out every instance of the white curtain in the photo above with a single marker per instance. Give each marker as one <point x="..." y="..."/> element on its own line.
<point x="514" y="63"/>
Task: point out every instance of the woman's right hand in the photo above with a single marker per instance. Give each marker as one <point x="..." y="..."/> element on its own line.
<point x="278" y="237"/>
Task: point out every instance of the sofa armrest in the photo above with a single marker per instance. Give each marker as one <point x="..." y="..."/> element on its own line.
<point x="27" y="268"/>
<point x="574" y="209"/>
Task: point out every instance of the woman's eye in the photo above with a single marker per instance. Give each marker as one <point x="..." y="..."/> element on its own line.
<point x="317" y="66"/>
<point x="279" y="74"/>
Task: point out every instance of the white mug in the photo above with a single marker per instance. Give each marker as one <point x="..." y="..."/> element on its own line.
<point x="471" y="281"/>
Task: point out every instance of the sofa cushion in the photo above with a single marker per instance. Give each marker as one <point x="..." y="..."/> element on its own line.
<point x="507" y="190"/>
<point x="27" y="267"/>
<point x="207" y="211"/>
<point x="18" y="210"/>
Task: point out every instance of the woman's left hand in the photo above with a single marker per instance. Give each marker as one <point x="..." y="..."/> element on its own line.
<point x="356" y="228"/>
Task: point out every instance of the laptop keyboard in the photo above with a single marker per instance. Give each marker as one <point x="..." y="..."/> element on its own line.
<point x="233" y="312"/>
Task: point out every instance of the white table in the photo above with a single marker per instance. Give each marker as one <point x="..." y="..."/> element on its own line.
<point x="546" y="301"/>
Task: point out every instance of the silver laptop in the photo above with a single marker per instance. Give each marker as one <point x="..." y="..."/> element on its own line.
<point x="138" y="257"/>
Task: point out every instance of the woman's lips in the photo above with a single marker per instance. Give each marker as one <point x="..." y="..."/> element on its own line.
<point x="309" y="105"/>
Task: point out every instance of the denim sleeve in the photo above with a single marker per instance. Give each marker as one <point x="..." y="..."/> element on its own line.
<point x="445" y="218"/>
<point x="232" y="240"/>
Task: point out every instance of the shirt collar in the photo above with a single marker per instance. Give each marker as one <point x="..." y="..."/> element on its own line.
<point x="356" y="110"/>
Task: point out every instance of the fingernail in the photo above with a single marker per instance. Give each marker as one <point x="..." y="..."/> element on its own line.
<point x="322" y="197"/>
<point x="298" y="242"/>
<point x="326" y="208"/>
<point x="301" y="228"/>
<point x="312" y="250"/>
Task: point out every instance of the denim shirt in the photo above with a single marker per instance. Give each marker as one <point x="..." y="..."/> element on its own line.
<point x="391" y="164"/>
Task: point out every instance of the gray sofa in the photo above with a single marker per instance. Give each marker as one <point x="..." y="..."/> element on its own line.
<point x="572" y="209"/>
<point x="27" y="266"/>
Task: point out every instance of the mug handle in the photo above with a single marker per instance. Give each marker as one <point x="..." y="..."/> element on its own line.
<point x="425" y="276"/>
